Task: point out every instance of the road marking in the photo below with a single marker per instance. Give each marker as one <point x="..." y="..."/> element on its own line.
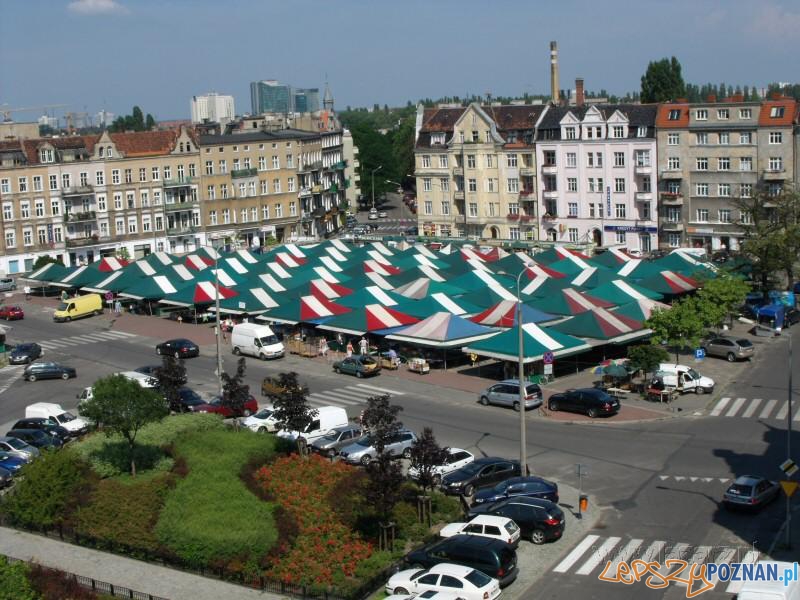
<point x="576" y="553"/>
<point x="736" y="406"/>
<point x="653" y="550"/>
<point x="377" y="389"/>
<point x="720" y="406"/>
<point x="84" y="339"/>
<point x="767" y="409"/>
<point x="723" y="557"/>
<point x="797" y="416"/>
<point x="329" y="397"/>
<point x="625" y="554"/>
<point x="106" y="335"/>
<point x="678" y="551"/>
<point x="15" y="373"/>
<point x="692" y="478"/>
<point x="782" y="412"/>
<point x="698" y="558"/>
<point x="751" y="408"/>
<point x="735" y="586"/>
<point x="601" y="553"/>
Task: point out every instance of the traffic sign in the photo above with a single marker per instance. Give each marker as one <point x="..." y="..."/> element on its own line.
<point x="789" y="487"/>
<point x="789" y="467"/>
<point x="548" y="358"/>
<point x="699" y="353"/>
<point x="109" y="296"/>
<point x="548" y="369"/>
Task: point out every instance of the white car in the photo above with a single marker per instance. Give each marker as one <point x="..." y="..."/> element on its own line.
<point x="457" y="458"/>
<point x="464" y="582"/>
<point x="429" y="595"/>
<point x="263" y="421"/>
<point x="383" y="214"/>
<point x="373" y="216"/>
<point x="497" y="528"/>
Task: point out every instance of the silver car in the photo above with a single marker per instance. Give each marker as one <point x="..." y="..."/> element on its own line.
<point x="336" y="439"/>
<point x="364" y="453"/>
<point x="7" y="284"/>
<point x="506" y="393"/>
<point x="17" y="447"/>
<point x="729" y="349"/>
<point x="749" y="491"/>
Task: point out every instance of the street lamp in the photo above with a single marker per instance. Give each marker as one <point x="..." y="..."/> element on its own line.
<point x="218" y="328"/>
<point x="521" y="359"/>
<point x="378" y="168"/>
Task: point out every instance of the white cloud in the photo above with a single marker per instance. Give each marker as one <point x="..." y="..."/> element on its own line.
<point x="96" y="7"/>
<point x="775" y="22"/>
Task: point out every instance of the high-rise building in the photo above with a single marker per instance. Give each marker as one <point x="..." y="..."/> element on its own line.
<point x="212" y="108"/>
<point x="103" y="118"/>
<point x="270" y="96"/>
<point x="305" y="100"/>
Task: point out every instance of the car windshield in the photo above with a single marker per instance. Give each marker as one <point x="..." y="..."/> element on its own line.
<point x="740" y="490"/>
<point x="744" y="343"/>
<point x="268" y="340"/>
<point x="470" y="469"/>
<point x="23" y="348"/>
<point x="417" y="574"/>
<point x="62" y="306"/>
<point x="511" y="527"/>
<point x="264" y="413"/>
<point x="65" y="417"/>
<point x="501" y="487"/>
<point x="331" y="436"/>
<point x="531" y="389"/>
<point x="365" y="441"/>
<point x="693" y="374"/>
<point x="478" y="579"/>
<point x="15" y="443"/>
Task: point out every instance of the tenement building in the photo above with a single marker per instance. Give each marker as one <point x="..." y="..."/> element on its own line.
<point x="475" y="171"/>
<point x="711" y="155"/>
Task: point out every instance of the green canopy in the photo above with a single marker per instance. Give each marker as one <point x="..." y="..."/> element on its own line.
<point x="536" y="342"/>
<point x="620" y="291"/>
<point x="49" y="272"/>
<point x="601" y="324"/>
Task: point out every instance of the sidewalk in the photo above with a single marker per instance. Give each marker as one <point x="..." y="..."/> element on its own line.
<point x="117" y="570"/>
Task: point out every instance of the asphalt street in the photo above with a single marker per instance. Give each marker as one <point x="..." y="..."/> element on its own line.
<point x="658" y="483"/>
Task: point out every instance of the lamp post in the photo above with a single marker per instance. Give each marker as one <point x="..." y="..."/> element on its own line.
<point x="378" y="168"/>
<point x="521" y="360"/>
<point x="218" y="327"/>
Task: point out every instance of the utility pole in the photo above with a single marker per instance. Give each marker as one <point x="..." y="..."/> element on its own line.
<point x="219" y="321"/>
<point x="789" y="450"/>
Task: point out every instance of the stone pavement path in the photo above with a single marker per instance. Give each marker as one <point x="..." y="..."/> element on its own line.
<point x="118" y="570"/>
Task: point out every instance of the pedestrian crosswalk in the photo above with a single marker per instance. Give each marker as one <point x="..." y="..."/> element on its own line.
<point x="349" y="396"/>
<point x="592" y="554"/>
<point x="86" y="338"/>
<point x="755" y="408"/>
<point x="10" y="375"/>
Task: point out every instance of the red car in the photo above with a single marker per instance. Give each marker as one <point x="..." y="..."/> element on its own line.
<point x="216" y="406"/>
<point x="11" y="313"/>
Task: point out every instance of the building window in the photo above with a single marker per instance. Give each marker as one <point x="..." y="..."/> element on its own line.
<point x="511" y="160"/>
<point x="445" y="207"/>
<point x="619" y="184"/>
<point x="443" y="161"/>
<point x="619" y="211"/>
<point x="491" y="184"/>
<point x="289" y="185"/>
<point x="53" y="179"/>
<point x="426" y="161"/>
<point x="745" y="217"/>
<point x="428" y="207"/>
<point x="573" y="235"/>
<point x="674" y="240"/>
<point x="702" y="139"/>
<point x="550" y="158"/>
<point x="745" y="113"/>
<point x="472" y="185"/>
<point x="620" y="237"/>
<point x="264" y="186"/>
<point x="570" y="133"/>
<point x="724" y="215"/>
<point x="470" y="161"/>
<point x="276" y="186"/>
<point x="292" y="210"/>
<point x="617" y="131"/>
<point x="46" y="155"/>
<point x="27" y="237"/>
<point x="262" y="163"/>
<point x="701" y="114"/>
<point x="673" y="139"/>
<point x="24" y="210"/>
<point x="8" y="211"/>
<point x="254" y="213"/>
<point x="674" y="187"/>
<point x="775" y="137"/>
<point x="143" y="174"/>
<point x="674" y="115"/>
<point x="774" y="189"/>
<point x="22" y="184"/>
<point x="101" y="205"/>
<point x="265" y="212"/>
<point x="701" y="189"/>
<point x="444" y="183"/>
<point x="775" y="163"/>
<point x="242" y="190"/>
<point x="572" y="208"/>
<point x="226" y="216"/>
<point x="11" y="239"/>
<point x="673" y="163"/>
<point x="41" y="235"/>
<point x="724" y="138"/>
<point x="746" y="163"/>
<point x="619" y="159"/>
<point x="724" y="164"/>
<point x="642" y="158"/>
<point x="276" y="162"/>
<point x="426" y="184"/>
<point x="513" y="233"/>
<point x="572" y="159"/>
<point x="590" y="185"/>
<point x="641" y="131"/>
<point x="673" y="214"/>
<point x="473" y="209"/>
<point x="512" y="185"/>
<point x="39" y="208"/>
<point x="211" y="192"/>
<point x="572" y="184"/>
<point x="746" y="137"/>
<point x="724" y="190"/>
<point x="490" y="161"/>
<point x="776" y="112"/>
<point x="37" y="183"/>
<point x="702" y="215"/>
<point x="223" y="190"/>
<point x="723" y="114"/>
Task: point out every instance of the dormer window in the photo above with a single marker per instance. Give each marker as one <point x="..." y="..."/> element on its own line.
<point x="776" y="112"/>
<point x="674" y="115"/>
<point x="101" y="151"/>
<point x="617" y="131"/>
<point x="188" y="147"/>
<point x="46" y="155"/>
<point x="437" y="138"/>
<point x="701" y="114"/>
<point x="569" y="133"/>
<point x="641" y="131"/>
<point x="110" y="152"/>
<point x="475" y="136"/>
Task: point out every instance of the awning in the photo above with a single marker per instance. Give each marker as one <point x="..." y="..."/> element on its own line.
<point x="442" y="330"/>
<point x="536" y="342"/>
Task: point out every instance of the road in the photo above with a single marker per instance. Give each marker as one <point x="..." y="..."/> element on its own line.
<point x="657" y="482"/>
<point x="398" y="216"/>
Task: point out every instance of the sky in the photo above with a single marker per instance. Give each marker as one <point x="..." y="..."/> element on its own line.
<point x="113" y="54"/>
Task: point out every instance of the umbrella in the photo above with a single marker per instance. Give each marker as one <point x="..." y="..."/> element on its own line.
<point x="615" y="371"/>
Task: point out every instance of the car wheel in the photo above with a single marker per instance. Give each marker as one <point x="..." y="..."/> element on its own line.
<point x="699" y="390"/>
<point x="484" y="401"/>
<point x="516" y="405"/>
<point x="177" y="354"/>
<point x="359" y="374"/>
<point x="537" y="536"/>
<point x="262" y="430"/>
<point x="365" y="460"/>
<point x="236" y="350"/>
<point x="247" y="412"/>
<point x="65" y="376"/>
<point x="469" y="490"/>
<point x="401" y="590"/>
<point x="31" y="377"/>
<point x="67" y="319"/>
<point x="336" y="370"/>
<point x="552" y="405"/>
<point x="591" y="413"/>
<point x="407" y="453"/>
<point x="731" y="357"/>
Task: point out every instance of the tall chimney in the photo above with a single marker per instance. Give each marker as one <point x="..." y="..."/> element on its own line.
<point x="579" y="95"/>
<point x="554" y="89"/>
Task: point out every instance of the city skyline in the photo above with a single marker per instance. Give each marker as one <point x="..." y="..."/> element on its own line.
<point x="113" y="54"/>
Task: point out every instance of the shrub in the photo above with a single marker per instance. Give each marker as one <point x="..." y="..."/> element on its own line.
<point x="109" y="455"/>
<point x="210" y="517"/>
<point x="44" y="494"/>
<point x="52" y="584"/>
<point x="14" y="583"/>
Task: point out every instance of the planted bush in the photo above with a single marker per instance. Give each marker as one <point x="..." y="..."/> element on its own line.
<point x="14" y="581"/>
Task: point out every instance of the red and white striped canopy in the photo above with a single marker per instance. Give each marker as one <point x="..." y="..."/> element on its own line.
<point x="197" y="262"/>
<point x="323" y="289"/>
<point x="381" y="268"/>
<point x="111" y="263"/>
<point x="204" y="292"/>
<point x="312" y="308"/>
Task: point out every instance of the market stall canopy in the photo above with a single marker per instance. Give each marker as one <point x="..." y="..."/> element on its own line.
<point x="49" y="272"/>
<point x="193" y="294"/>
<point x="542" y="287"/>
<point x="613" y="258"/>
<point x="670" y="283"/>
<point x="602" y="324"/>
<point x="620" y="291"/>
<point x="481" y="280"/>
<point x="435" y="303"/>
<point x="504" y="314"/>
<point x="421" y="287"/>
<point x="640" y="310"/>
<point x="536" y="341"/>
<point x="371" y="294"/>
<point x="569" y="301"/>
<point x="306" y="309"/>
<point x="558" y="253"/>
<point x="593" y="277"/>
<point x="331" y="291"/>
<point x="86" y="275"/>
<point x="153" y="288"/>
<point x="442" y="330"/>
<point x="252" y="301"/>
<point x="373" y="318"/>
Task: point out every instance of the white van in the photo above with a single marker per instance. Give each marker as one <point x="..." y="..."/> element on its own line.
<point x="256" y="340"/>
<point x="772" y="590"/>
<point x="146" y="381"/>
<point x="327" y="418"/>
<point x="58" y="416"/>
<point x="684" y="379"/>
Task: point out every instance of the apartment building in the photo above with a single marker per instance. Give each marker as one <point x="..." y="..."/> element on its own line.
<point x="82" y="197"/>
<point x="352" y="167"/>
<point x="475" y="171"/>
<point x="713" y="153"/>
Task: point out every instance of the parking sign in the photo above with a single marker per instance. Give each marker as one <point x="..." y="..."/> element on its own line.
<point x="548" y="358"/>
<point x="699" y="354"/>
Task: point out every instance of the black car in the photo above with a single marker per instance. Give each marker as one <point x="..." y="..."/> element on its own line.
<point x="36" y="438"/>
<point x="531" y="487"/>
<point x="22" y="354"/>
<point x="179" y="348"/>
<point x="480" y="473"/>
<point x="791" y="317"/>
<point x="494" y="557"/>
<point x="592" y="402"/>
<point x="539" y="520"/>
<point x="45" y="425"/>
<point x="189" y="398"/>
<point x="48" y="370"/>
<point x="152" y="371"/>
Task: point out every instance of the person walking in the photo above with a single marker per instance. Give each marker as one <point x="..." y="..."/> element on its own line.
<point x="363" y="346"/>
<point x="323" y="347"/>
<point x="64" y="296"/>
<point x="118" y="308"/>
<point x="349" y="348"/>
<point x="27" y="292"/>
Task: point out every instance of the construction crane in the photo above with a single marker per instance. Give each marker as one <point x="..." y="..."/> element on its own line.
<point x="6" y="112"/>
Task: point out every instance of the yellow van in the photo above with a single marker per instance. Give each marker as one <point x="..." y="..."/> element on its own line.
<point x="78" y="307"/>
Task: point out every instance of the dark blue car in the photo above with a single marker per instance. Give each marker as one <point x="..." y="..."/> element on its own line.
<point x="531" y="487"/>
<point x="10" y="462"/>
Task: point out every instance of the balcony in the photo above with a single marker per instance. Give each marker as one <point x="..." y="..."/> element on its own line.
<point x="81" y="242"/>
<point x="672" y="226"/>
<point x="527" y="171"/>
<point x="527" y="196"/>
<point x="179" y="182"/>
<point x="550" y="194"/>
<point x="548" y="216"/>
<point x="513" y="216"/>
<point x="643" y="169"/>
<point x="316" y="189"/>
<point x="526" y="218"/>
<point x="185" y="205"/>
<point x="774" y="174"/>
<point x="644" y="196"/>
<point x="550" y="169"/>
<point x="308" y="167"/>
<point x="671" y="198"/>
<point x="304" y="193"/>
<point x="77" y="190"/>
<point x="239" y="173"/>
<point x="80" y="217"/>
<point x="458" y="195"/>
<point x="671" y="174"/>
<point x="458" y="171"/>
<point x="182" y="230"/>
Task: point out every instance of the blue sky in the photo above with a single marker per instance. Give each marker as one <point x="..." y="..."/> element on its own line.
<point x="116" y="53"/>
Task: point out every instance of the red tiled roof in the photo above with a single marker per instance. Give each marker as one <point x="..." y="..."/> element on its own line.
<point x="662" y="117"/>
<point x="789" y="108"/>
<point x="145" y="143"/>
<point x="441" y="119"/>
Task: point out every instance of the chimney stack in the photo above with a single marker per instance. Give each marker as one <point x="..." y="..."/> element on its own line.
<point x="554" y="88"/>
<point x="579" y="94"/>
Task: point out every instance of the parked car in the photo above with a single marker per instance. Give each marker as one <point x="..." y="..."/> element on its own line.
<point x="532" y="487"/>
<point x="480" y="473"/>
<point x="506" y="393"/>
<point x="17" y="447"/>
<point x="188" y="398"/>
<point x="57" y="415"/>
<point x="23" y="354"/>
<point x="456" y="458"/>
<point x="362" y="451"/>
<point x="373" y="214"/>
<point x="152" y="371"/>
<point x="215" y="406"/>
<point x="750" y="492"/>
<point x="45" y="425"/>
<point x="48" y="370"/>
<point x="791" y="316"/>
<point x="12" y="462"/>
<point x="490" y="526"/>
<point x="36" y="438"/>
<point x="179" y="348"/>
<point x="729" y="349"/>
<point x="469" y="583"/>
<point x="5" y="477"/>
<point x="11" y="313"/>
<point x="7" y="284"/>
<point x="383" y="214"/>
<point x="359" y="365"/>
<point x="429" y="595"/>
<point x="336" y="439"/>
<point x="592" y="402"/>
<point x="539" y="520"/>
<point x="262" y="420"/>
<point x="495" y="558"/>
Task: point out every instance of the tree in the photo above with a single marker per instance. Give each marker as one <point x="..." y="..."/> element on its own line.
<point x="380" y="419"/>
<point x="725" y="293"/>
<point x="149" y="122"/>
<point x="122" y="406"/>
<point x="46" y="259"/>
<point x="123" y="254"/>
<point x="235" y="393"/>
<point x="681" y="325"/>
<point x="133" y="122"/>
<point x="646" y="357"/>
<point x="403" y="149"/>
<point x="170" y="377"/>
<point x="426" y="454"/>
<point x="14" y="581"/>
<point x="292" y="411"/>
<point x="663" y="81"/>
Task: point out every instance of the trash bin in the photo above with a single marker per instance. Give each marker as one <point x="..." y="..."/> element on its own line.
<point x="584" y="502"/>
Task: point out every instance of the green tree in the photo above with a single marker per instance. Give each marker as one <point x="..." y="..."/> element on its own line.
<point x="138" y="119"/>
<point x="403" y="150"/>
<point x="662" y="81"/>
<point x="46" y="259"/>
<point x="14" y="583"/>
<point x="170" y="377"/>
<point x="426" y="454"/>
<point x="725" y="293"/>
<point x="149" y="122"/>
<point x="680" y="326"/>
<point x="235" y="393"/>
<point x="120" y="405"/>
<point x="292" y="410"/>
<point x="646" y="358"/>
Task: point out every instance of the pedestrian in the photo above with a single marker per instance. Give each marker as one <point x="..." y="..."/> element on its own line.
<point x="323" y="347"/>
<point x="363" y="346"/>
<point x="349" y="348"/>
<point x="180" y="319"/>
<point x="118" y="308"/>
<point x="27" y="292"/>
<point x="64" y="296"/>
<point x="393" y="357"/>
